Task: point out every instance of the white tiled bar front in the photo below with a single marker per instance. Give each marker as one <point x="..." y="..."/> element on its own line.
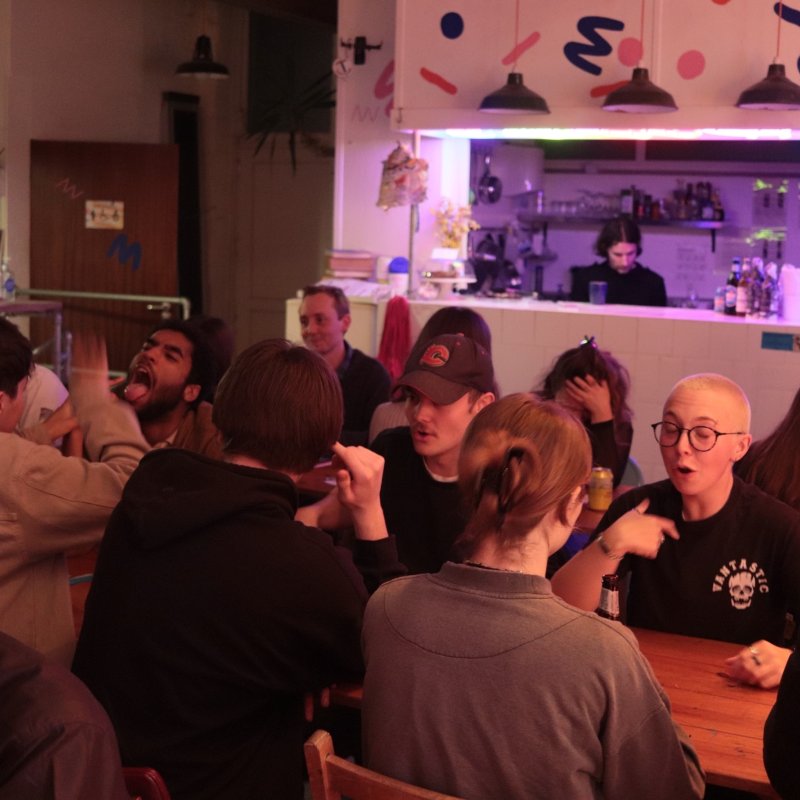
<point x="657" y="345"/>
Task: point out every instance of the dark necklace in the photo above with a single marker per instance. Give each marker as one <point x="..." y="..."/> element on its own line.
<point x="495" y="569"/>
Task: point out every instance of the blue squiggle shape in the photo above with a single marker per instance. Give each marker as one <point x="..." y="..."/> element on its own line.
<point x="127" y="252"/>
<point x="587" y="26"/>
<point x="789" y="14"/>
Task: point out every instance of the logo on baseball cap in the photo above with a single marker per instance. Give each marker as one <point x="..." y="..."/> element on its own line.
<point x="447" y="367"/>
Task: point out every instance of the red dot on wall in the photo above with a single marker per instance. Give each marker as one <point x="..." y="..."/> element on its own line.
<point x="691" y="64"/>
<point x="629" y="52"/>
<point x="720" y="2"/>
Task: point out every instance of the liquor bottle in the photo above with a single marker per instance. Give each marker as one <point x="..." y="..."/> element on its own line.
<point x="609" y="598"/>
<point x="679" y="196"/>
<point x="707" y="203"/>
<point x="692" y="207"/>
<point x="771" y="305"/>
<point x="626" y="203"/>
<point x="769" y="292"/>
<point x="719" y="210"/>
<point x="757" y="275"/>
<point x="731" y="286"/>
<point x="743" y="290"/>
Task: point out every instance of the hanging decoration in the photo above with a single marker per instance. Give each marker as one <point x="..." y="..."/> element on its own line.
<point x="404" y="181"/>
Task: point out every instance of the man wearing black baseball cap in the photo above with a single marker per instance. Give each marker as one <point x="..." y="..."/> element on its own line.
<point x="446" y="382"/>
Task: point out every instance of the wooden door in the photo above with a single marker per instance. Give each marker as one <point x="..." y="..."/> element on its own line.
<point x="104" y="218"/>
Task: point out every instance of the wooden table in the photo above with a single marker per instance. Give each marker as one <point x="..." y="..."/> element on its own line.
<point x="725" y="721"/>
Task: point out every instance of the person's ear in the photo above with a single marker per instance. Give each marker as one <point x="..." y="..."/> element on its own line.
<point x="191" y="392"/>
<point x="487" y="398"/>
<point x="742" y="446"/>
<point x="346" y="320"/>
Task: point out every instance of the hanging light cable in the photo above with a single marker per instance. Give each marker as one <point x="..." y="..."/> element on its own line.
<point x="640" y="95"/>
<point x="514" y="97"/>
<point x="776" y="92"/>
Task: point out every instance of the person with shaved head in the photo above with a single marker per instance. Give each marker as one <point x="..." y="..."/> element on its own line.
<point x="708" y="555"/>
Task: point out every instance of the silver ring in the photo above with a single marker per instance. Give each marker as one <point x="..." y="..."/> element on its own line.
<point x="754" y="655"/>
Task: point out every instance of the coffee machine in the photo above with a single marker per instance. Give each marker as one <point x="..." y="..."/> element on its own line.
<point x="495" y="273"/>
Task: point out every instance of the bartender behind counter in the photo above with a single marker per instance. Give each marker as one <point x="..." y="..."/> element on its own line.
<point x="629" y="283"/>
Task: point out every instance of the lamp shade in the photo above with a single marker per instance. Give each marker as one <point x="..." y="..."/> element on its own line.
<point x="514" y="98"/>
<point x="640" y="96"/>
<point x="775" y="93"/>
<point x="202" y="64"/>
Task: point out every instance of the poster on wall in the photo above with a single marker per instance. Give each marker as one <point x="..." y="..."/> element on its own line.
<point x="105" y="215"/>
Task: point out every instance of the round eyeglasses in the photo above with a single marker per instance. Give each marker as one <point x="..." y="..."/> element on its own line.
<point x="701" y="437"/>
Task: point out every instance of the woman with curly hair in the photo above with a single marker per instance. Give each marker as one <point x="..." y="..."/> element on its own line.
<point x="594" y="385"/>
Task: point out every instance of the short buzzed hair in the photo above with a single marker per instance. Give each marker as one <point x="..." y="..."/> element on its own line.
<point x="713" y="381"/>
<point x="16" y="357"/>
<point x="280" y="404"/>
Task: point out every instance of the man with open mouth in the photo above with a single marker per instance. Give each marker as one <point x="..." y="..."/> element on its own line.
<point x="168" y="382"/>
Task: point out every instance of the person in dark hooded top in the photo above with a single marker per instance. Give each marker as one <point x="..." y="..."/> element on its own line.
<point x="212" y="611"/>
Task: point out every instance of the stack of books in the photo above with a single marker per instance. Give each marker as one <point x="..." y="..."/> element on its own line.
<point x="351" y="264"/>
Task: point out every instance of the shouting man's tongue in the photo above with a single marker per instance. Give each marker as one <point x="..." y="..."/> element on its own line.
<point x="138" y="386"/>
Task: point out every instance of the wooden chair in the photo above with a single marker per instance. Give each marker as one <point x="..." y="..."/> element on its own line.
<point x="331" y="777"/>
<point x="145" y="783"/>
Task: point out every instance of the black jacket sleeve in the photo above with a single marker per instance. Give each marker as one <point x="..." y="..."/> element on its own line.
<point x="607" y="451"/>
<point x="782" y="733"/>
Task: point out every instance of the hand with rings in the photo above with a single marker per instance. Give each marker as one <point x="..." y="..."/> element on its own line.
<point x="759" y="664"/>
<point x="638" y="533"/>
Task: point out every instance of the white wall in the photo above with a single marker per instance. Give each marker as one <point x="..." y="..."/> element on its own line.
<point x="364" y="140"/>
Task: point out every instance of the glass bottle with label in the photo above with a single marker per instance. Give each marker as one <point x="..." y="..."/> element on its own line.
<point x="731" y="287"/>
<point x="609" y="598"/>
<point x="743" y="290"/>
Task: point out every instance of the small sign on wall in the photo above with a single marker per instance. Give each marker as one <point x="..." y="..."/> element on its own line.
<point x="780" y="341"/>
<point x="105" y="214"/>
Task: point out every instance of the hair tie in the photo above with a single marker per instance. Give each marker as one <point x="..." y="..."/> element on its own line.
<point x="504" y="483"/>
<point x="588" y="341"/>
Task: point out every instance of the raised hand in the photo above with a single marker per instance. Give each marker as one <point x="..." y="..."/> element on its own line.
<point x="591" y="395"/>
<point x="358" y="484"/>
<point x="638" y="533"/>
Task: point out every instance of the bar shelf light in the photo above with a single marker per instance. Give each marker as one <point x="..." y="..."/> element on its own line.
<point x="642" y="134"/>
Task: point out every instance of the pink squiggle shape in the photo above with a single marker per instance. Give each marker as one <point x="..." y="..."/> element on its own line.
<point x="524" y="45"/>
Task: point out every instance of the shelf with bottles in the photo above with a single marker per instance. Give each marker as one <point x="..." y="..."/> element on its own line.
<point x="542" y="221"/>
<point x="690" y="206"/>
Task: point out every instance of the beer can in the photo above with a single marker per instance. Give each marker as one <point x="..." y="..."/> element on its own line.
<point x="601" y="488"/>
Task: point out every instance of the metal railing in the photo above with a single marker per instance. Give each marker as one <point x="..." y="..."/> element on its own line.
<point x="153" y="302"/>
<point x="62" y="340"/>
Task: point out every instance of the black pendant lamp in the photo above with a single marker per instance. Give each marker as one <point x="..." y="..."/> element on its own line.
<point x="514" y="97"/>
<point x="202" y="64"/>
<point x="640" y="95"/>
<point x="776" y="92"/>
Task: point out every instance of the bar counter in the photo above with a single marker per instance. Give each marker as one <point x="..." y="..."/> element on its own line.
<point x="657" y="345"/>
